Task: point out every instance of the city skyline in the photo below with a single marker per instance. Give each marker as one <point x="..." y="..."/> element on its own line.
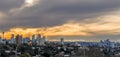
<point x="71" y="19"/>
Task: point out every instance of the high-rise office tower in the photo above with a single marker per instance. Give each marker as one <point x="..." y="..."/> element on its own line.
<point x="19" y="39"/>
<point x="38" y="39"/>
<point x="0" y="39"/>
<point x="33" y="38"/>
<point x="12" y="39"/>
<point x="62" y="40"/>
<point x="44" y="39"/>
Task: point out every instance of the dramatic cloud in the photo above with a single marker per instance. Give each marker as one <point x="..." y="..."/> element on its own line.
<point x="107" y="24"/>
<point x="61" y="17"/>
<point x="27" y="3"/>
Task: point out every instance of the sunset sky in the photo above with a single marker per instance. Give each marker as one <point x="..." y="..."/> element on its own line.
<point x="72" y="19"/>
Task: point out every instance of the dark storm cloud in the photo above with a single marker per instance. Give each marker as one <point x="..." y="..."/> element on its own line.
<point x="84" y="7"/>
<point x="6" y="5"/>
<point x="54" y="12"/>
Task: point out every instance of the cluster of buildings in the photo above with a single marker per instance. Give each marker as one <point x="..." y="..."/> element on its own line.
<point x="40" y="40"/>
<point x="18" y="39"/>
<point x="103" y="43"/>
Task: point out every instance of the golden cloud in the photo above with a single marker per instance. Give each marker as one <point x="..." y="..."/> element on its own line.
<point x="108" y="24"/>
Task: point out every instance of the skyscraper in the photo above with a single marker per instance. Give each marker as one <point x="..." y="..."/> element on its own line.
<point x="38" y="39"/>
<point x="44" y="39"/>
<point x="33" y="38"/>
<point x="62" y="40"/>
<point x="3" y="34"/>
<point x="0" y="39"/>
<point x="19" y="39"/>
<point x="12" y="39"/>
